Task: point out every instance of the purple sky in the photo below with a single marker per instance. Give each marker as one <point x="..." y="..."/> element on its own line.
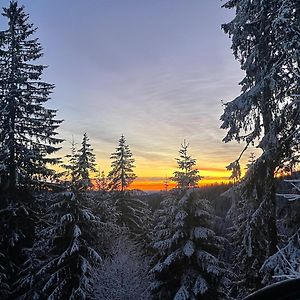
<point x="155" y="71"/>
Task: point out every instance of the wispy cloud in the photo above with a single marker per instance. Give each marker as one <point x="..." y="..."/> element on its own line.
<point x="116" y="71"/>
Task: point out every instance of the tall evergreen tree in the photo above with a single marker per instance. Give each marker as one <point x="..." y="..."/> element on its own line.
<point x="265" y="39"/>
<point x="121" y="175"/>
<point x="186" y="264"/>
<point x="187" y="176"/>
<point x="86" y="160"/>
<point x="67" y="272"/>
<point x="247" y="237"/>
<point x="80" y="163"/>
<point x="27" y="137"/>
<point x="132" y="212"/>
<point x="68" y="267"/>
<point x="27" y="128"/>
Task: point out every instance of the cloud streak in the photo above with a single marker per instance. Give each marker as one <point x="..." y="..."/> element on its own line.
<point x="118" y="72"/>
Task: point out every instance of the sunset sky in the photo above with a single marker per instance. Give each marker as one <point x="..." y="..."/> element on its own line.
<point x="155" y="71"/>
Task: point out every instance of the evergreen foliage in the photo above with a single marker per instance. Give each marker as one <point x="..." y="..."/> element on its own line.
<point x="81" y="163"/>
<point x="27" y="128"/>
<point x="235" y="169"/>
<point x="62" y="245"/>
<point x="28" y="285"/>
<point x="63" y="259"/>
<point x="121" y="175"/>
<point x="284" y="264"/>
<point x="68" y="271"/>
<point x="186" y="261"/>
<point x="17" y="220"/>
<point x="265" y="40"/>
<point x="86" y="161"/>
<point x="132" y="213"/>
<point x="27" y="138"/>
<point x="187" y="176"/>
<point x="247" y="236"/>
<point x="295" y="195"/>
<point x="4" y="285"/>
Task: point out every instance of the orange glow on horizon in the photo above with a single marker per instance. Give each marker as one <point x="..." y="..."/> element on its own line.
<point x="153" y="179"/>
<point x="159" y="185"/>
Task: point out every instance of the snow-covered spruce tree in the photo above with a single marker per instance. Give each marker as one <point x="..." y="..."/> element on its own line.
<point x="68" y="271"/>
<point x="86" y="161"/>
<point x="187" y="176"/>
<point x="295" y="193"/>
<point x="19" y="222"/>
<point x="288" y="223"/>
<point x="28" y="285"/>
<point x="121" y="175"/>
<point x="247" y="223"/>
<point x="103" y="207"/>
<point x="27" y="128"/>
<point x="162" y="220"/>
<point x="265" y="39"/>
<point x="80" y="163"/>
<point x="285" y="263"/>
<point x="124" y="274"/>
<point x="247" y="237"/>
<point x="101" y="202"/>
<point x="186" y="260"/>
<point x="27" y="137"/>
<point x="131" y="211"/>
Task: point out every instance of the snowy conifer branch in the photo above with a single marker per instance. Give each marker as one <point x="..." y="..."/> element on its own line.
<point x="296" y="185"/>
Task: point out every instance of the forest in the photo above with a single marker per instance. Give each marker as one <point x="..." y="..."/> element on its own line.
<point x="74" y="233"/>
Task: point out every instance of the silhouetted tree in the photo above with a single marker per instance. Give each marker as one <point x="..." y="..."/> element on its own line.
<point x="27" y="138"/>
<point x="187" y="176"/>
<point x="121" y="175"/>
<point x="86" y="161"/>
<point x="265" y="40"/>
<point x="27" y="128"/>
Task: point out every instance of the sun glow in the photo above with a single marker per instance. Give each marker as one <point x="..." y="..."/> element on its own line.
<point x="159" y="183"/>
<point x="154" y="180"/>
